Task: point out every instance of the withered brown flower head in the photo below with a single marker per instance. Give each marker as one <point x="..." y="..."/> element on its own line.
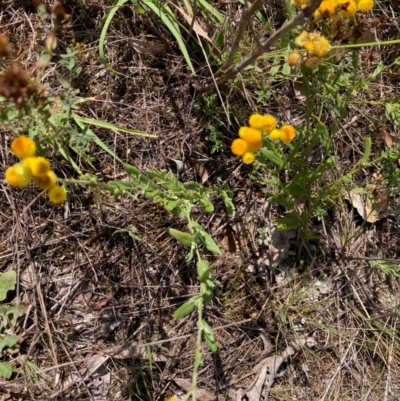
<point x="59" y="11"/>
<point x="15" y="85"/>
<point x="5" y="47"/>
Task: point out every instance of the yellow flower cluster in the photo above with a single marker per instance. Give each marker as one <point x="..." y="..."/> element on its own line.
<point x="33" y="167"/>
<point x="251" y="138"/>
<point x="316" y="46"/>
<point x="345" y="8"/>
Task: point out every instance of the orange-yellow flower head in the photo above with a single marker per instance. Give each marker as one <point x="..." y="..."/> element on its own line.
<point x="256" y="121"/>
<point x="288" y="133"/>
<point x="23" y="147"/>
<point x="365" y="5"/>
<point x="321" y="46"/>
<point x="46" y="181"/>
<point x="39" y="166"/>
<point x="248" y="158"/>
<point x="239" y="147"/>
<point x="57" y="194"/>
<point x="314" y="43"/>
<point x="269" y="122"/>
<point x="18" y="176"/>
<point x="275" y="134"/>
<point x="252" y="135"/>
<point x="350" y="9"/>
<point x="253" y="147"/>
<point x="302" y="39"/>
<point x="300" y="3"/>
<point x="294" y="59"/>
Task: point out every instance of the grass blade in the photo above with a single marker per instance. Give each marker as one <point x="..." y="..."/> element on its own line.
<point x="169" y="19"/>
<point x="104" y="124"/>
<point x="103" y="34"/>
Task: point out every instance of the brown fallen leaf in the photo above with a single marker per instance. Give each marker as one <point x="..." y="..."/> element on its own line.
<point x="145" y="47"/>
<point x="268" y="368"/>
<point x="201" y="395"/>
<point x="196" y="26"/>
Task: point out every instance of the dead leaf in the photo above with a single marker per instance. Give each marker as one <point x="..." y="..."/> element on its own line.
<point x="267" y="370"/>
<point x="299" y="91"/>
<point x="196" y="26"/>
<point x="200" y="169"/>
<point x="358" y="202"/>
<point x="136" y="351"/>
<point x="389" y="139"/>
<point x="375" y="211"/>
<point x="145" y="47"/>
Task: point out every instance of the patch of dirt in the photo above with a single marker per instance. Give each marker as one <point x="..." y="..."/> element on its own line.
<point x="92" y="290"/>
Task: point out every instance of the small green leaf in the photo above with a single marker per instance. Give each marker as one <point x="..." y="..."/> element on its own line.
<point x="184" y="238"/>
<point x="8" y="341"/>
<point x="187" y="307"/>
<point x="207" y="205"/>
<point x="209" y="336"/>
<point x="289" y="223"/>
<point x="272" y="157"/>
<point x="209" y="243"/>
<point x="8" y="280"/>
<point x="367" y="151"/>
<point x="386" y="266"/>
<point x="297" y="190"/>
<point x="6" y="370"/>
<point x="346" y="179"/>
<point x="201" y="266"/>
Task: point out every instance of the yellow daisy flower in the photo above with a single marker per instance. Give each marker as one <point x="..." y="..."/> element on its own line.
<point x="252" y="135"/>
<point x="46" y="181"/>
<point x="365" y="5"/>
<point x="288" y="133"/>
<point x="248" y="158"/>
<point x="57" y="194"/>
<point x="275" y="134"/>
<point x="256" y="121"/>
<point x="39" y="166"/>
<point x="269" y="122"/>
<point x="239" y="147"/>
<point x="350" y="10"/>
<point x="253" y="147"/>
<point x="321" y="46"/>
<point x="23" y="147"/>
<point x="18" y="176"/>
<point x="302" y="39"/>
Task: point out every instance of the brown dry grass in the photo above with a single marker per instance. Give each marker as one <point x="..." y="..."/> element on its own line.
<point x="91" y="290"/>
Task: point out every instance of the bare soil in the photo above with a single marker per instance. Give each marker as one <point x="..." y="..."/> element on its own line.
<point x="91" y="290"/>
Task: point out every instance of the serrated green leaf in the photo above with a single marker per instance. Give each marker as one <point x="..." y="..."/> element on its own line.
<point x="8" y="280"/>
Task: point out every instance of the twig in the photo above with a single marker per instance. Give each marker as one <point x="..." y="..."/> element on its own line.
<point x="244" y="21"/>
<point x="303" y="17"/>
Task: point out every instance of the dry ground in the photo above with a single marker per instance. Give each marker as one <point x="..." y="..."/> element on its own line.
<point x="91" y="289"/>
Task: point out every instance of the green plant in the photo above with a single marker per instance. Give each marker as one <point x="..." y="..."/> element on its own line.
<point x="9" y="316"/>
